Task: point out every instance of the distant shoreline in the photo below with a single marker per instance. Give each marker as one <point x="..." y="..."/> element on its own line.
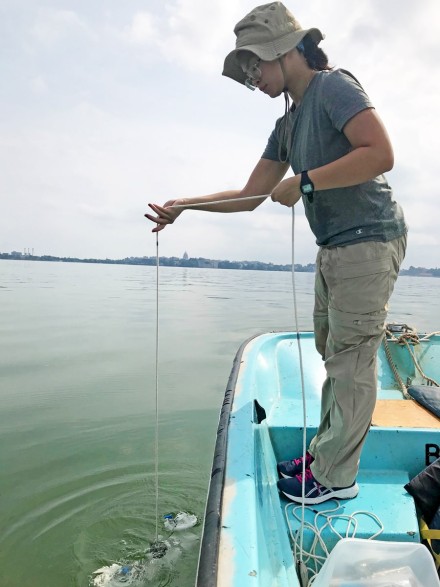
<point x="199" y="262"/>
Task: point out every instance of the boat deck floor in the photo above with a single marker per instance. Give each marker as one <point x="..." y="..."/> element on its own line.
<point x="381" y="493"/>
<point x="395" y="451"/>
<point x="394" y="413"/>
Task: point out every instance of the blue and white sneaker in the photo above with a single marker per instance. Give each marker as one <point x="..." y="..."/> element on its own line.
<point x="314" y="492"/>
<point x="291" y="468"/>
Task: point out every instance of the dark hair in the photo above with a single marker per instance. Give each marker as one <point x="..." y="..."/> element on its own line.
<point x="315" y="57"/>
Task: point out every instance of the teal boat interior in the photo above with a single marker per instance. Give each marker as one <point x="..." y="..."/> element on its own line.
<point x="250" y="530"/>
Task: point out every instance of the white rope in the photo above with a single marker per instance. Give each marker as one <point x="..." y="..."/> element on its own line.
<point x="428" y="336"/>
<point x="299" y="553"/>
<point x="156" y="443"/>
<point x="226" y="200"/>
<point x="317" y="529"/>
<point x="302" y="381"/>
<point x="297" y="337"/>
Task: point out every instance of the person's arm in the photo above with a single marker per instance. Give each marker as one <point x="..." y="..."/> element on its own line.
<point x="371" y="156"/>
<point x="265" y="176"/>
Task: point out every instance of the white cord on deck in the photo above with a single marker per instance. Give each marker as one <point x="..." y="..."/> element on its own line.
<point x="330" y="515"/>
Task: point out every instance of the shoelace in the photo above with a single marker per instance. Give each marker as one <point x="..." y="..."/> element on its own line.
<point x="308" y="476"/>
<point x="299" y="460"/>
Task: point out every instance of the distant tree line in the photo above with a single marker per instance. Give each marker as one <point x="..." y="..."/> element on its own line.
<point x="165" y="261"/>
<point x="198" y="262"/>
<point x="421" y="271"/>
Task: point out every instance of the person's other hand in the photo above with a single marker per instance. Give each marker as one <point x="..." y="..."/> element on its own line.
<point x="287" y="191"/>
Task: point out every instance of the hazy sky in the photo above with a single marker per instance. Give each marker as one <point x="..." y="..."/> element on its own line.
<point x="108" y="105"/>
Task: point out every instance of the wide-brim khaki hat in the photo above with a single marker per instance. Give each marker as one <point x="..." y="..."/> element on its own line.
<point x="269" y="31"/>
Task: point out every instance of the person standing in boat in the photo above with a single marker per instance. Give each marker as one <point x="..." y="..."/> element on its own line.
<point x="338" y="149"/>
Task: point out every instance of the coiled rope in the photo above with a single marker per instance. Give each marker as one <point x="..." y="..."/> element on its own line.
<point x="316" y="556"/>
<point x="407" y="337"/>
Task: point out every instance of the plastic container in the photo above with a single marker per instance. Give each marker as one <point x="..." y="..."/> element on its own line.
<point x="356" y="562"/>
<point x="181" y="521"/>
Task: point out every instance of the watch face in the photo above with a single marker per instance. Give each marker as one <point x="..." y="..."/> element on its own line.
<point x="307" y="188"/>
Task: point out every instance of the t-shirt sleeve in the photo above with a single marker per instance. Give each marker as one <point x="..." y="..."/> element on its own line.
<point x="343" y="98"/>
<point x="272" y="147"/>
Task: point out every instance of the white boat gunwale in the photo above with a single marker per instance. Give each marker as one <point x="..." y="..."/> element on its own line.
<point x="210" y="542"/>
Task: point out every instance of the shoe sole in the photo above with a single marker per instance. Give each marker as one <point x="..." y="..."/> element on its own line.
<point x="344" y="493"/>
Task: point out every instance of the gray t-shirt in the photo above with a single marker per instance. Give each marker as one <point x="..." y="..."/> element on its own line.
<point x="342" y="215"/>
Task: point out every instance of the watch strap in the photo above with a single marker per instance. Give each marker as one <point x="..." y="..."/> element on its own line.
<point x="306" y="186"/>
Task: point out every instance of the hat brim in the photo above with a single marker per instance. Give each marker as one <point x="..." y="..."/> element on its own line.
<point x="267" y="51"/>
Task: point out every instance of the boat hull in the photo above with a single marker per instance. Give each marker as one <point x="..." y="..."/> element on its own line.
<point x="247" y="537"/>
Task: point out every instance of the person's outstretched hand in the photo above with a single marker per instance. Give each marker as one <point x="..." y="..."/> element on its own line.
<point x="166" y="214"/>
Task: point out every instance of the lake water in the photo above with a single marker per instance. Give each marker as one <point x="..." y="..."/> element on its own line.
<point x="77" y="393"/>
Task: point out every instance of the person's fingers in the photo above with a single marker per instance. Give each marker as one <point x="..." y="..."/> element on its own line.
<point x="160" y="220"/>
<point x="161" y="213"/>
<point x="160" y="210"/>
<point x="159" y="227"/>
<point x="156" y="219"/>
<point x="164" y="216"/>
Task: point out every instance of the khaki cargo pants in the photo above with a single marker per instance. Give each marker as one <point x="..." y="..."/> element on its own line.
<point x="352" y="288"/>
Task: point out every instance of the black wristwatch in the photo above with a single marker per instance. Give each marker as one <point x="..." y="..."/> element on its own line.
<point x="306" y="186"/>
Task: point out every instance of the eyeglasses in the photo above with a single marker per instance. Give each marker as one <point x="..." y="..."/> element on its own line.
<point x="253" y="73"/>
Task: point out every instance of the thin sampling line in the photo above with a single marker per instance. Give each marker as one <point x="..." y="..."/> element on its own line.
<point x="156" y="444"/>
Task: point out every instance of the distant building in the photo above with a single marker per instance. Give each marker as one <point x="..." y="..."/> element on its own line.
<point x="207" y="264"/>
<point x="185" y="256"/>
